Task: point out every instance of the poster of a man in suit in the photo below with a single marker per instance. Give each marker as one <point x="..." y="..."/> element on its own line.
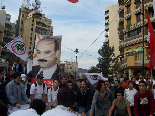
<point x="46" y="58"/>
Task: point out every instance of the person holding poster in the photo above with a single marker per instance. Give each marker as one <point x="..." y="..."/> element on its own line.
<point x="47" y="52"/>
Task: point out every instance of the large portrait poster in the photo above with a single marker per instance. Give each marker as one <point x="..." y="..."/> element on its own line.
<point x="46" y="58"/>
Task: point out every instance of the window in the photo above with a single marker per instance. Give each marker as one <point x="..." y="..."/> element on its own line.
<point x="21" y="22"/>
<point x="137" y="5"/>
<point x="138" y="17"/>
<point x="20" y="29"/>
<point x="129" y="21"/>
<point x="22" y="15"/>
<point x="128" y="9"/>
<point x="31" y="29"/>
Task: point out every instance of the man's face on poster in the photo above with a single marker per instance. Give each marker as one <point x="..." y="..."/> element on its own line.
<point x="46" y="54"/>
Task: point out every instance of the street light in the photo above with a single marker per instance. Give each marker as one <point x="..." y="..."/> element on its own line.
<point x="76" y="51"/>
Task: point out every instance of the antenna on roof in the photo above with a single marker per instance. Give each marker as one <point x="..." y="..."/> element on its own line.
<point x="26" y="3"/>
<point x="37" y="4"/>
<point x="2" y="7"/>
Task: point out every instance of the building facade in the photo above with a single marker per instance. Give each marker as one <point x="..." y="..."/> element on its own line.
<point x="111" y="32"/>
<point x="9" y="33"/>
<point x="32" y="22"/>
<point x="131" y="44"/>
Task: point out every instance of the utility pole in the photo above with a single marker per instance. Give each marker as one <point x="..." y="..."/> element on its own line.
<point x="76" y="51"/>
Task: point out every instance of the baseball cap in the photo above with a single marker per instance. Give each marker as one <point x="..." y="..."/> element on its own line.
<point x="39" y="77"/>
<point x="23" y="76"/>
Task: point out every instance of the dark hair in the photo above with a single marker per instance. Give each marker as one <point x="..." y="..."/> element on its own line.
<point x="83" y="80"/>
<point x="127" y="78"/>
<point x="117" y="81"/>
<point x="63" y="76"/>
<point x="50" y="38"/>
<point x="29" y="75"/>
<point x="15" y="75"/>
<point x="121" y="92"/>
<point x="69" y="82"/>
<point x="130" y="82"/>
<point x="3" y="109"/>
<point x="1" y="71"/>
<point x="38" y="105"/>
<point x="71" y="76"/>
<point x="134" y="77"/>
<point x="66" y="97"/>
<point x="57" y="80"/>
<point x="142" y="82"/>
<point x="99" y="84"/>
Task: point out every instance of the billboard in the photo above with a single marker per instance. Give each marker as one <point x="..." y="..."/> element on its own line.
<point x="46" y="58"/>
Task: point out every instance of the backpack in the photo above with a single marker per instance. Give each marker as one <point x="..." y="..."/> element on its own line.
<point x="36" y="86"/>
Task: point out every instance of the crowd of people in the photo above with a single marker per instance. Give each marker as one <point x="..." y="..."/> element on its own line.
<point x="128" y="97"/>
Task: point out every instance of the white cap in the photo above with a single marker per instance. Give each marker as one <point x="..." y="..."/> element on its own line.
<point x="23" y="76"/>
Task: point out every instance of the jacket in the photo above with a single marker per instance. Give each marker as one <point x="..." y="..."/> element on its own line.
<point x="15" y="93"/>
<point x="35" y="70"/>
<point x="102" y="108"/>
<point x="144" y="103"/>
<point x="3" y="95"/>
<point x="84" y="100"/>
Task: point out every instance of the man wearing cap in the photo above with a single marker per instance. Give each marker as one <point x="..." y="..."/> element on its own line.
<point x="39" y="89"/>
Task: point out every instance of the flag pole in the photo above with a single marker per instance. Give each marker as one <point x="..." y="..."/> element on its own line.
<point x="143" y="34"/>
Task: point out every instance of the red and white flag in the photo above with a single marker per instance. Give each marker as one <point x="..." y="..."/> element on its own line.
<point x="154" y="7"/>
<point x="73" y="1"/>
<point x="148" y="40"/>
<point x="18" y="47"/>
<point x="151" y="63"/>
<point x="94" y="77"/>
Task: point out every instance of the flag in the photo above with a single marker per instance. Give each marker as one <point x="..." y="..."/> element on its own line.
<point x="154" y="7"/>
<point x="73" y="1"/>
<point x="18" y="47"/>
<point x="94" y="77"/>
<point x="151" y="63"/>
<point x="148" y="40"/>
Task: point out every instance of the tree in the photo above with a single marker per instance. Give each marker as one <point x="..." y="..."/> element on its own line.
<point x="93" y="69"/>
<point x="108" y="63"/>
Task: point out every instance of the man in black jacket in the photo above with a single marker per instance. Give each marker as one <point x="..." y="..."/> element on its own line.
<point x="84" y="99"/>
<point x="3" y="95"/>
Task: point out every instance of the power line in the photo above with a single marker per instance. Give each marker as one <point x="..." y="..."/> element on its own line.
<point x="104" y="30"/>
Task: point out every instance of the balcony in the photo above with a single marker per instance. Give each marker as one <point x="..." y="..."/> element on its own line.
<point x="123" y="64"/>
<point x="127" y="15"/>
<point x="106" y="28"/>
<point x="137" y="25"/>
<point x="133" y="40"/>
<point x="121" y="19"/>
<point x="137" y="10"/>
<point x="140" y="62"/>
<point x="148" y="5"/>
<point x="129" y="2"/>
<point x="106" y="21"/>
<point x="106" y="34"/>
<point x="106" y="13"/>
<point x="42" y="28"/>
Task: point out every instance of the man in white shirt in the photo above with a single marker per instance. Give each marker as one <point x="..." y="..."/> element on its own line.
<point x="65" y="100"/>
<point x="52" y="94"/>
<point x="129" y="95"/>
<point x="39" y="89"/>
<point x="37" y="108"/>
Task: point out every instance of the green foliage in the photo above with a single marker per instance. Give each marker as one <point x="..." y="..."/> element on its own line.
<point x="93" y="69"/>
<point x="108" y="63"/>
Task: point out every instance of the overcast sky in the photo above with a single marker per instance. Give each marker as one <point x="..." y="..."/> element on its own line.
<point x="79" y="24"/>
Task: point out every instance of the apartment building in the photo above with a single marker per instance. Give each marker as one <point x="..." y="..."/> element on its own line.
<point x="7" y="35"/>
<point x="33" y="22"/>
<point x="131" y="44"/>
